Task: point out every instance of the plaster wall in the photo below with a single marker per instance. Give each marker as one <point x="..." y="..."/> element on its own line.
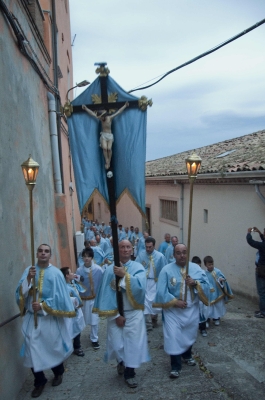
<point x="153" y="195"/>
<point x="127" y="213"/>
<point x="24" y="130"/>
<point x="231" y="210"/>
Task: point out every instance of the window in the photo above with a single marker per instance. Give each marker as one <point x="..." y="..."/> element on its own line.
<point x="169" y="210"/>
<point x="205" y="216"/>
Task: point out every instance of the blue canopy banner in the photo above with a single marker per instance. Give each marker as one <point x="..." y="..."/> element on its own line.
<point x="129" y="149"/>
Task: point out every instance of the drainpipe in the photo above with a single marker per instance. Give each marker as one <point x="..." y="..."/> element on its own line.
<point x="55" y="81"/>
<point x="54" y="143"/>
<point x="181" y="209"/>
<point x="257" y="183"/>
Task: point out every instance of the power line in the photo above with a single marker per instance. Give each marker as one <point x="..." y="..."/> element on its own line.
<point x="203" y="54"/>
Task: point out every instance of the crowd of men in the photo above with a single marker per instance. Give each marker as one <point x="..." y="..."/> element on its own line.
<point x="149" y="280"/>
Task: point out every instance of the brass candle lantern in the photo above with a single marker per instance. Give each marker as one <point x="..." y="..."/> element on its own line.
<point x="193" y="164"/>
<point x="30" y="169"/>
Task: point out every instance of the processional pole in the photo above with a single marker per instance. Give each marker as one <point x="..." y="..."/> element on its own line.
<point x="103" y="103"/>
<point x="111" y="191"/>
<point x="193" y="164"/>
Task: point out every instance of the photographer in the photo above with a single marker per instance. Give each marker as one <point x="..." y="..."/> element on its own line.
<point x="260" y="269"/>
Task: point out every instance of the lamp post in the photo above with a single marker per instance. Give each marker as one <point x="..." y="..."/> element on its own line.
<point x="30" y="169"/>
<point x="68" y="108"/>
<point x="193" y="164"/>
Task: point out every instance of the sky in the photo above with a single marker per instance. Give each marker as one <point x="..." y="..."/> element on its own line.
<point x="219" y="97"/>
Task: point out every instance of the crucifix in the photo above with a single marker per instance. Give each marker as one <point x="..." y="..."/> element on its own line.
<point x="106" y="136"/>
<point x="107" y="104"/>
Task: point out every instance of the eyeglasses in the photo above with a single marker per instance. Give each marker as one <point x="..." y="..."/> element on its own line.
<point x="45" y="251"/>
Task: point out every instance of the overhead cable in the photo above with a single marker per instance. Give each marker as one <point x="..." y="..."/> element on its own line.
<point x="204" y="54"/>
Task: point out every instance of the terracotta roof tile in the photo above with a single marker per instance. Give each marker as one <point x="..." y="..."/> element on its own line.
<point x="249" y="155"/>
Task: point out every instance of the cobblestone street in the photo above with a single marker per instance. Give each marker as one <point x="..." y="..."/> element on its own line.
<point x="230" y="365"/>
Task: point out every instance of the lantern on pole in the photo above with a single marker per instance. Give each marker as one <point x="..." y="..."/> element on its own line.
<point x="193" y="164"/>
<point x="30" y="169"/>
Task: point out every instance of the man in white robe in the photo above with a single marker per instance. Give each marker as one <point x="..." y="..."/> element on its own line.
<point x="126" y="335"/>
<point x="181" y="318"/>
<point x="153" y="261"/>
<point x="49" y="344"/>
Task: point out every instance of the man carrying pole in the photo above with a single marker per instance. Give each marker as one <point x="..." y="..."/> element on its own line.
<point x="49" y="344"/>
<point x="181" y="317"/>
<point x="126" y="335"/>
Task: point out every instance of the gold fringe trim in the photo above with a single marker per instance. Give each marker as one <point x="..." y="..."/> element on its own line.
<point x="230" y="296"/>
<point x="88" y="297"/>
<point x="58" y="313"/>
<point x="95" y="191"/>
<point x="135" y="305"/>
<point x="126" y="191"/>
<point x="218" y="299"/>
<point x="110" y="313"/>
<point x="31" y="291"/>
<point x="183" y="275"/>
<point x="40" y="284"/>
<point x="21" y="302"/>
<point x="201" y="294"/>
<point x="169" y="304"/>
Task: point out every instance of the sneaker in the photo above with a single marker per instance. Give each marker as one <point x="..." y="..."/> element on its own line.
<point x="217" y="322"/>
<point x="204" y="333"/>
<point x="131" y="382"/>
<point x="190" y="361"/>
<point x="257" y="312"/>
<point x="259" y="315"/>
<point x="174" y="374"/>
<point x="95" y="345"/>
<point x="120" y="368"/>
<point x="79" y="352"/>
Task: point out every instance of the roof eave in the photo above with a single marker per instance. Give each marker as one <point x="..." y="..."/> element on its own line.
<point x="240" y="174"/>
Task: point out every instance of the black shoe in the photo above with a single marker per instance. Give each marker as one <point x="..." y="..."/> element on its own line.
<point x="57" y="380"/>
<point x="37" y="391"/>
<point x="120" y="368"/>
<point x="259" y="315"/>
<point x="95" y="345"/>
<point x="131" y="382"/>
<point x="79" y="352"/>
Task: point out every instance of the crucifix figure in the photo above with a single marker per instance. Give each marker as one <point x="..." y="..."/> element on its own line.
<point x="106" y="136"/>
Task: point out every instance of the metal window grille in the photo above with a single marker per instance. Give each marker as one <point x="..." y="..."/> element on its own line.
<point x="169" y="210"/>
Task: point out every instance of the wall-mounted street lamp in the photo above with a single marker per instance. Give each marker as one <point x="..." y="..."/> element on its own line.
<point x="193" y="164"/>
<point x="30" y="169"/>
<point x="68" y="108"/>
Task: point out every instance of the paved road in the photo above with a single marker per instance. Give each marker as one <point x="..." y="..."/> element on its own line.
<point x="231" y="365"/>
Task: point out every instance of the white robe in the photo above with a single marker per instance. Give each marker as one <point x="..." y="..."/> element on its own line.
<point x="128" y="344"/>
<point x="75" y="325"/>
<point x="49" y="344"/>
<point x="150" y="294"/>
<point x="90" y="318"/>
<point x="217" y="310"/>
<point x="180" y="326"/>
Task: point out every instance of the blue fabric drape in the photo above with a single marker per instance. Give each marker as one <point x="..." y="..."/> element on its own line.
<point x="129" y="149"/>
